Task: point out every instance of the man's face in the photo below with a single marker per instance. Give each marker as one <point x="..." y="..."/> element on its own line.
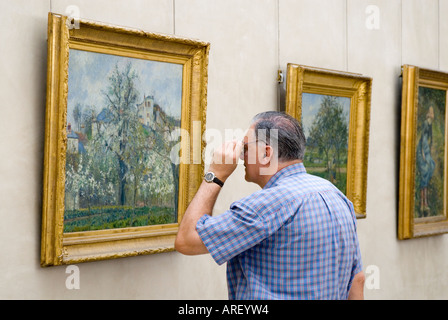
<point x="253" y="151"/>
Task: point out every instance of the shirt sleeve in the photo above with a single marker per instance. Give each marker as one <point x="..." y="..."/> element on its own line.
<point x="357" y="262"/>
<point x="357" y="259"/>
<point x="231" y="232"/>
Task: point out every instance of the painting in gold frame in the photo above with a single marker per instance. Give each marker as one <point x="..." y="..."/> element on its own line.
<point x="423" y="153"/>
<point x="334" y="110"/>
<point x="121" y="104"/>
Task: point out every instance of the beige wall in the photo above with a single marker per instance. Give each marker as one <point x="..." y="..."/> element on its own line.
<point x="250" y="40"/>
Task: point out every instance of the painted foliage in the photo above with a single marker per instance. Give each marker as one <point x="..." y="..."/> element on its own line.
<point x="122" y="118"/>
<point x="325" y="121"/>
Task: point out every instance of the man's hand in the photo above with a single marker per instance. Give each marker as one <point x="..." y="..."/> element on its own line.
<point x="225" y="159"/>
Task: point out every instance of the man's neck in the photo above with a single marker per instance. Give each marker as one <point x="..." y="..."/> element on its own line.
<point x="265" y="178"/>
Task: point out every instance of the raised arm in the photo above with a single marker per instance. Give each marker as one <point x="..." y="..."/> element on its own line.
<point x="223" y="164"/>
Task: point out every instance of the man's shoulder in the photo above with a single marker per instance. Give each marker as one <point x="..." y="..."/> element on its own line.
<point x="303" y="184"/>
<point x="282" y="191"/>
<point x="266" y="199"/>
<point x="290" y="190"/>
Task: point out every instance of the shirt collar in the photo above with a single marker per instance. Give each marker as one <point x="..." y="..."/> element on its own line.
<point x="285" y="172"/>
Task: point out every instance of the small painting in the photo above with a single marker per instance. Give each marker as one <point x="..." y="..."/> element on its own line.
<point x="334" y="110"/>
<point x="325" y="121"/>
<point x="423" y="190"/>
<point x="430" y="153"/>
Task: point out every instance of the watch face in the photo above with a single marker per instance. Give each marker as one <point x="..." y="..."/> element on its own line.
<point x="209" y="176"/>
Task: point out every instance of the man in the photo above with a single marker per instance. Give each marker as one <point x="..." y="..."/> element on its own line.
<point x="293" y="239"/>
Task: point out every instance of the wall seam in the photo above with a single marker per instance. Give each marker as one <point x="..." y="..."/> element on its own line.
<point x="279" y="107"/>
<point x="278" y="33"/>
<point x="401" y="33"/>
<point x="438" y="34"/>
<point x="174" y="16"/>
<point x="346" y="35"/>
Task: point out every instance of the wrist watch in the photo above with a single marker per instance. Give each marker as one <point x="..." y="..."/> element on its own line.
<point x="210" y="177"/>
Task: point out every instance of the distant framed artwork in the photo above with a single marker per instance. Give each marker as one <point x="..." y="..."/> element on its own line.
<point x="423" y="189"/>
<point x="122" y="106"/>
<point x="334" y="110"/>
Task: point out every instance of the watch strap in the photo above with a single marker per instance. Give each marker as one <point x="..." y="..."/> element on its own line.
<point x="211" y="177"/>
<point x="218" y="182"/>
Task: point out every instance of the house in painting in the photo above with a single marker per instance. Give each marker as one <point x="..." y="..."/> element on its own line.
<point x="75" y="141"/>
<point x="146" y="111"/>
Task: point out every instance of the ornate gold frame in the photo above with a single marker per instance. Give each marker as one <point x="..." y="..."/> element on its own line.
<point x="409" y="227"/>
<point x="303" y="79"/>
<point x="58" y="248"/>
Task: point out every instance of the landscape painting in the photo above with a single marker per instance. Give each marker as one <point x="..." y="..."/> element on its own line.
<point x="325" y="121"/>
<point x="430" y="153"/>
<point x="123" y="118"/>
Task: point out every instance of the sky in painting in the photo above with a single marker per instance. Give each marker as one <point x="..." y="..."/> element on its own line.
<point x="88" y="75"/>
<point x="310" y="107"/>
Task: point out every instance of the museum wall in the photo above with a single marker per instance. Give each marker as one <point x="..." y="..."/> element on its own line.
<point x="250" y="40"/>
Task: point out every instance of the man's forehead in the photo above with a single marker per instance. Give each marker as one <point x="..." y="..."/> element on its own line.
<point x="250" y="133"/>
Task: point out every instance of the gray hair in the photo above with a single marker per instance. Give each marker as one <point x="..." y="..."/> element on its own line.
<point x="289" y="139"/>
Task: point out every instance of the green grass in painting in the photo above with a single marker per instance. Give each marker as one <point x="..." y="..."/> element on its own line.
<point x="116" y="217"/>
<point x="340" y="182"/>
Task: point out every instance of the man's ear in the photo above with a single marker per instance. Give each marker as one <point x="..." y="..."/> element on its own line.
<point x="267" y="156"/>
<point x="269" y="162"/>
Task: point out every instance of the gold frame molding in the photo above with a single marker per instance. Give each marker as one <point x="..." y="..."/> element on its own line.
<point x="304" y="79"/>
<point x="409" y="227"/>
<point x="57" y="247"/>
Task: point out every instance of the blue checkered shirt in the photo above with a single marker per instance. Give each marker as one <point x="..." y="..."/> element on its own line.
<point x="294" y="239"/>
